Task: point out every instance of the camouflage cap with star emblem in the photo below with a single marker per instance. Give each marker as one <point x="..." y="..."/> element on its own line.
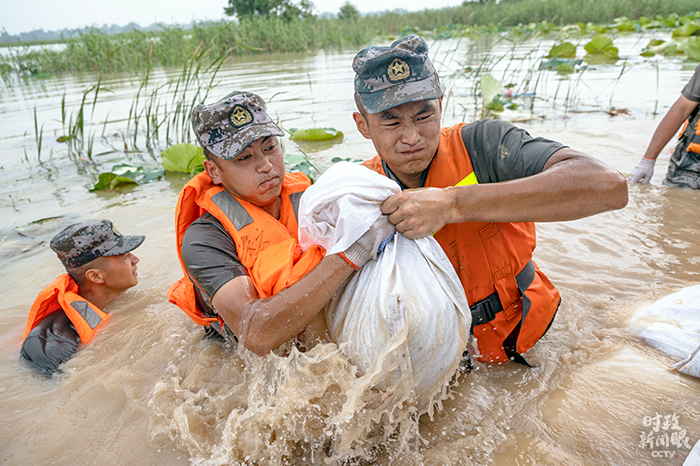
<point x="228" y="126"/>
<point x="386" y="77"/>
<point x="81" y="243"/>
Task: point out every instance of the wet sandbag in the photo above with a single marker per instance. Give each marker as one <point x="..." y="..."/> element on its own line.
<point x="403" y="319"/>
<point x="672" y="324"/>
<point x="693" y="458"/>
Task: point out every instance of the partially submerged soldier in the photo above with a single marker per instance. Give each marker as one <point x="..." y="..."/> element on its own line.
<point x="236" y="227"/>
<point x="478" y="188"/>
<point x="99" y="267"/>
<point x="684" y="166"/>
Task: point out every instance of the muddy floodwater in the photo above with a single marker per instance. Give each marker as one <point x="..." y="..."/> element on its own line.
<point x="151" y="390"/>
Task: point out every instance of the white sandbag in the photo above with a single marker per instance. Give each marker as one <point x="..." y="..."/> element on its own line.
<point x="403" y="318"/>
<point x="672" y="324"/>
<point x="693" y="458"/>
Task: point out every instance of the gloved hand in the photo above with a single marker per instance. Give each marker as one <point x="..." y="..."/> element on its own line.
<point x="371" y="244"/>
<point x="643" y="172"/>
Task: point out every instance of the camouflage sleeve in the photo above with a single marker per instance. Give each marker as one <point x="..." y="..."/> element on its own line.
<point x="500" y="151"/>
<point x="691" y="91"/>
<point x="210" y="257"/>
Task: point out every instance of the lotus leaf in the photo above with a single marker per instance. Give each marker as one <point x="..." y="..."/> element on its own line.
<point x="185" y="158"/>
<point x="599" y="59"/>
<point x="671" y="49"/>
<point x="563" y="50"/>
<point x="624" y="24"/>
<point x="691" y="47"/>
<point x="300" y="163"/>
<point x="591" y="27"/>
<point x="490" y="89"/>
<point x="688" y="29"/>
<point x="565" y="68"/>
<point x="346" y="159"/>
<point x="603" y="45"/>
<point x="561" y="64"/>
<point x="111" y="181"/>
<point x="656" y="24"/>
<point x="293" y="159"/>
<point x="315" y="134"/>
<point x="655" y="43"/>
<point x="125" y="174"/>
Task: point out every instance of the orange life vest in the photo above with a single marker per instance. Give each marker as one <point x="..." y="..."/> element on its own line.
<point x="683" y="166"/>
<point x="510" y="298"/>
<point x="62" y="293"/>
<point x="268" y="248"/>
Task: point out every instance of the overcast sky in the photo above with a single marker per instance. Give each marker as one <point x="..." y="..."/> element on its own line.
<point x="26" y="15"/>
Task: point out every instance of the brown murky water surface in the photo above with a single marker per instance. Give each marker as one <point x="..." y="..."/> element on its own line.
<point x="150" y="390"/>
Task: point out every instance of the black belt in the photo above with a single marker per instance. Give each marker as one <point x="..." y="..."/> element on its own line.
<point x="485" y="310"/>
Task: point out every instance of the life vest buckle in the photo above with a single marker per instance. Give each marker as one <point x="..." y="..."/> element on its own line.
<point x="485" y="310"/>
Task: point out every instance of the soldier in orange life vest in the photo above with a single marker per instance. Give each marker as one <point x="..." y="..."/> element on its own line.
<point x="236" y="228"/>
<point x="477" y="187"/>
<point x="68" y="312"/>
<point x="684" y="166"/>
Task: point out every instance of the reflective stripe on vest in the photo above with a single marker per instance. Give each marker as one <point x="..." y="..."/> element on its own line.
<point x="87" y="313"/>
<point x="62" y="294"/>
<point x="266" y="247"/>
<point x="233" y="209"/>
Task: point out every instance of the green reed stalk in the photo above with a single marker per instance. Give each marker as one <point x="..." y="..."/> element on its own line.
<point x="38" y="135"/>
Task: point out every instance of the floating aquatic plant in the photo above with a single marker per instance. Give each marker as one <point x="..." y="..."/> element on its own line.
<point x="126" y="175"/>
<point x="300" y="163"/>
<point x="687" y="29"/>
<point x="601" y="50"/>
<point x="183" y="157"/>
<point x="315" y="134"/>
<point x="653" y="47"/>
<point x="602" y="44"/>
<point x="691" y="47"/>
<point x="563" y="50"/>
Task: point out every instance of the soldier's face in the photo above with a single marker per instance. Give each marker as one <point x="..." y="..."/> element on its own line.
<point x="405" y="137"/>
<point x="256" y="175"/>
<point x="119" y="271"/>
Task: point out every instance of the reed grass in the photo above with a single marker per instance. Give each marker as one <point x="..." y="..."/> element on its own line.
<point x="159" y="113"/>
<point x="154" y="106"/>
<point x="38" y="136"/>
<point x="136" y="50"/>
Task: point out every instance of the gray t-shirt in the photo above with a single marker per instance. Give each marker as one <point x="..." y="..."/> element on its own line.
<point x="691" y="91"/>
<point x="499" y="152"/>
<point x="210" y="257"/>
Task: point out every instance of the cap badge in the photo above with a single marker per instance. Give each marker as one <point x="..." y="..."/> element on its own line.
<point x="240" y="116"/>
<point x="398" y="70"/>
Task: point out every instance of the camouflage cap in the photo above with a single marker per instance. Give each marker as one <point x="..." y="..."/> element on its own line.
<point x="386" y="77"/>
<point x="228" y="126"/>
<point x="81" y="243"/>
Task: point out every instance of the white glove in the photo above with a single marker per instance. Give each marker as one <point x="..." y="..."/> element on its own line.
<point x="371" y="244"/>
<point x="643" y="172"/>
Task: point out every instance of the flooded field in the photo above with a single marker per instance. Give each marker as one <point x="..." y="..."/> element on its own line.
<point x="150" y="390"/>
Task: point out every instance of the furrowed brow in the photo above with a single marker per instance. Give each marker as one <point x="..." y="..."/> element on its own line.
<point x="427" y="108"/>
<point x="387" y="115"/>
